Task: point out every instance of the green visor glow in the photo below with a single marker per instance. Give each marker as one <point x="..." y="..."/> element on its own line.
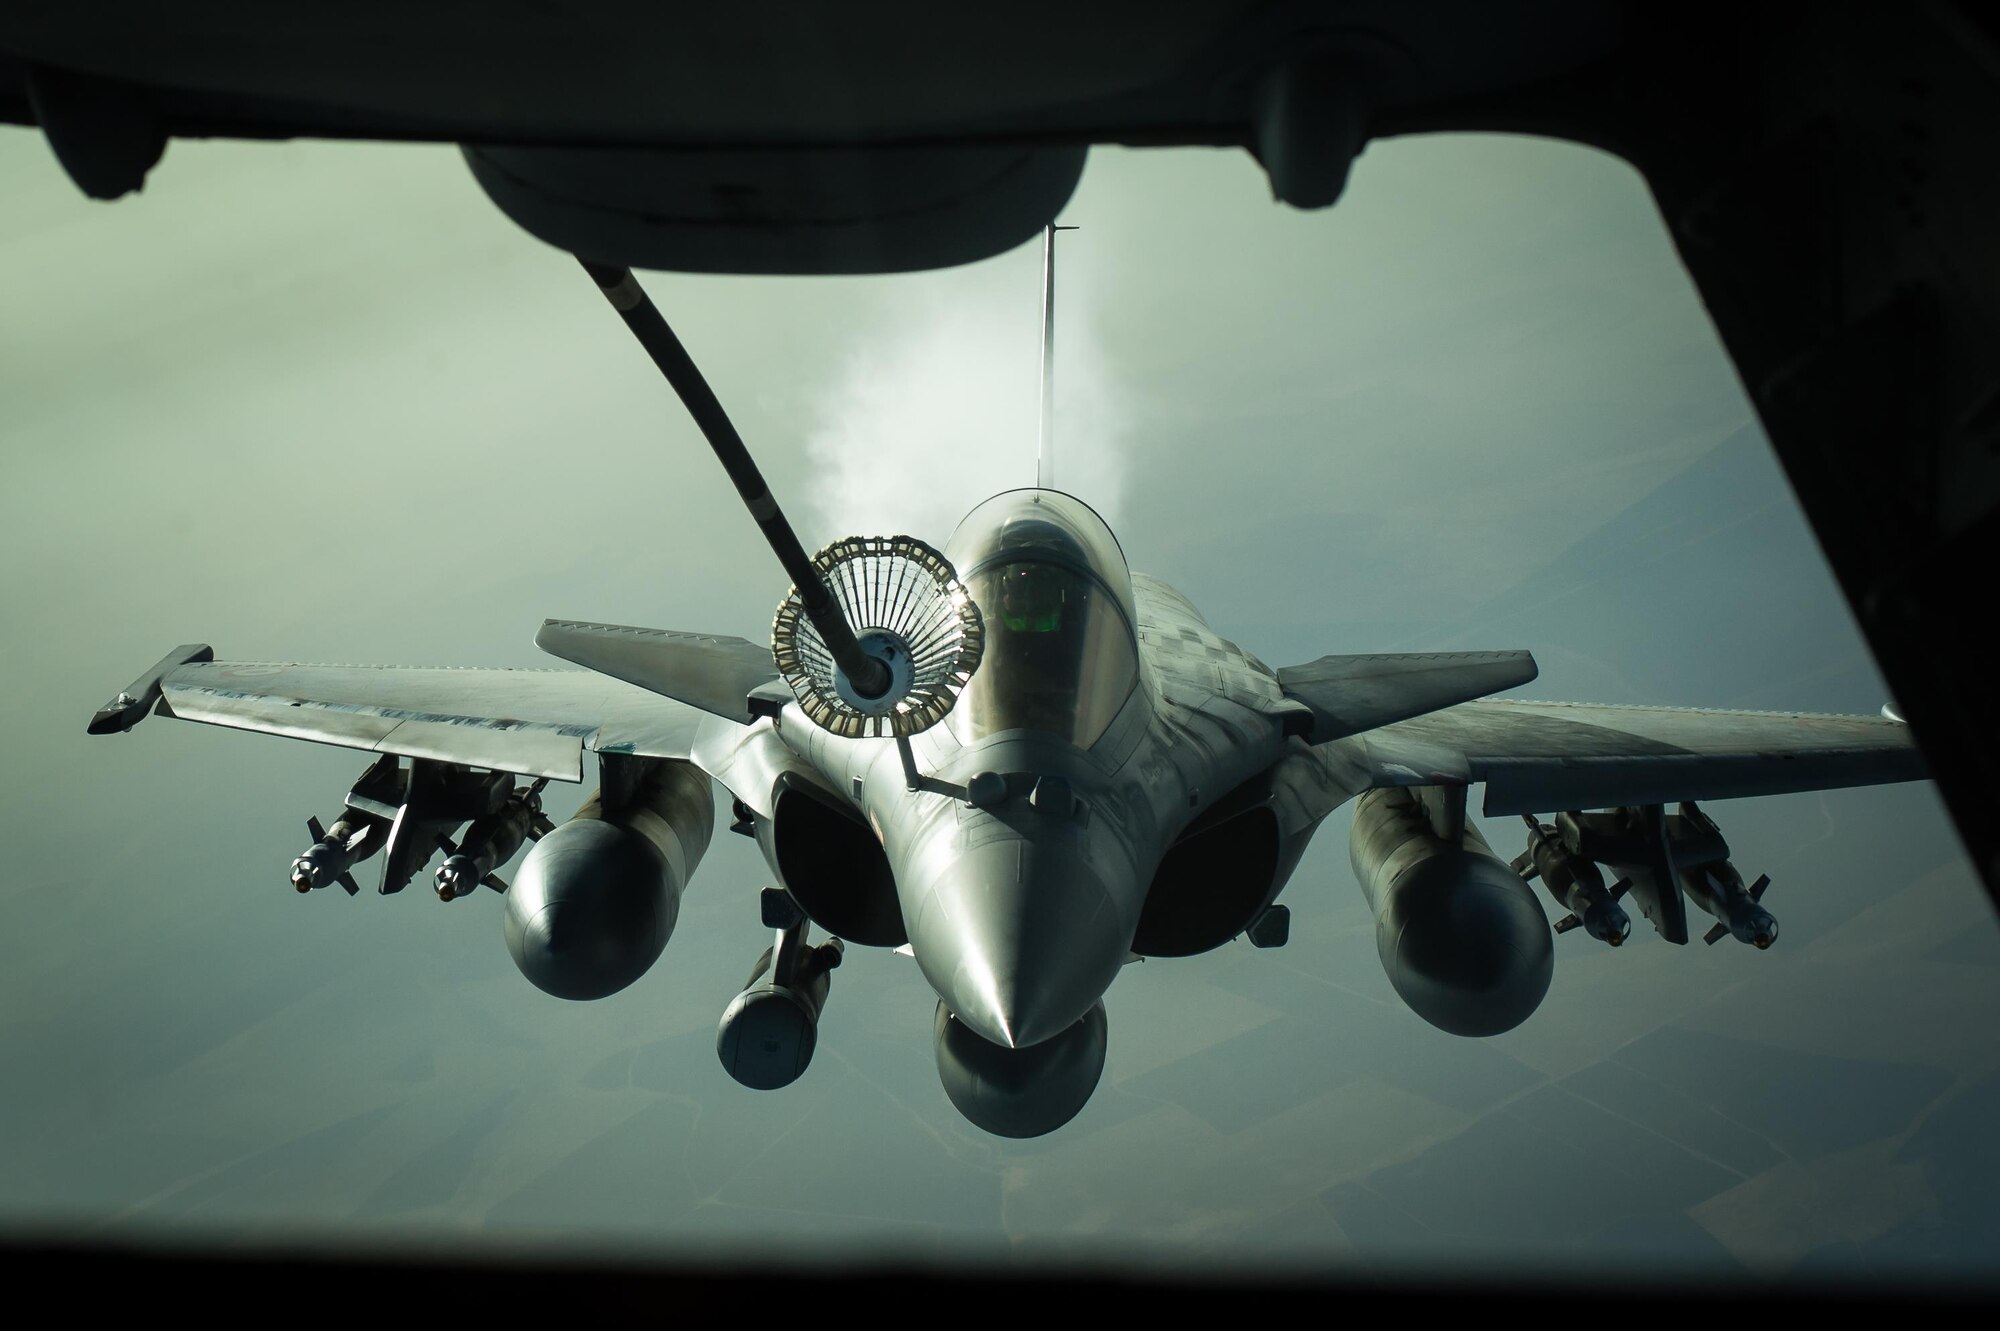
<point x="1060" y="655"/>
<point x="1032" y="597"/>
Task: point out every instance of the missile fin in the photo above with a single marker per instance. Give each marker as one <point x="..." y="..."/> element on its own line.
<point x="347" y="882"/>
<point x="1757" y="888"/>
<point x="313" y="826"/>
<point x="1567" y="923"/>
<point x="1714" y="934"/>
<point x="1620" y="888"/>
<point x="495" y="881"/>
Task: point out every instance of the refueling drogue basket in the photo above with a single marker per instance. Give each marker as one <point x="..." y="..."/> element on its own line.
<point x="910" y="611"/>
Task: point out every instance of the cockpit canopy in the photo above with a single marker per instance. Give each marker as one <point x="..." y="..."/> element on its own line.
<point x="1052" y="585"/>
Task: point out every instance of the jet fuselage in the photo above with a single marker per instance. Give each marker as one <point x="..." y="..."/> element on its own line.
<point x="1104" y="719"/>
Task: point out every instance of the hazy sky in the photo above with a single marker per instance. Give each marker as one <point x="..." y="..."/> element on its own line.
<point x="322" y="402"/>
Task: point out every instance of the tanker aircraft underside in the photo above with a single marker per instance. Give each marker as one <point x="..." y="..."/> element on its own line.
<point x="1023" y="765"/>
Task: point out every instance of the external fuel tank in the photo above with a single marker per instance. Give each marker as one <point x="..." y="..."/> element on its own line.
<point x="596" y="900"/>
<point x="1460" y="934"/>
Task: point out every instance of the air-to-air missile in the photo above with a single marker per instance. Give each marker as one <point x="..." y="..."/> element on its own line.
<point x="335" y="851"/>
<point x="1576" y="884"/>
<point x="1717" y="887"/>
<point x="490" y="842"/>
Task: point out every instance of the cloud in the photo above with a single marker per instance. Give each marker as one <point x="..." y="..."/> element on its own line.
<point x="937" y="409"/>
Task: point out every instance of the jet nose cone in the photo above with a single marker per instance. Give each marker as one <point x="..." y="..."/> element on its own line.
<point x="1028" y="1011"/>
<point x="1020" y="940"/>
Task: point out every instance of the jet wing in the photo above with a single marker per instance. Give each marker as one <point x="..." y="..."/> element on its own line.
<point x="534" y="722"/>
<point x="1538" y="757"/>
<point x="1350" y="694"/>
<point x="715" y="674"/>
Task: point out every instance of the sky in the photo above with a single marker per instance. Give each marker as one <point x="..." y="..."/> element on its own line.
<point x="321" y="402"/>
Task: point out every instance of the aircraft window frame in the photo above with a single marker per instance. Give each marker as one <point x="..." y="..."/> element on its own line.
<point x="1039" y="523"/>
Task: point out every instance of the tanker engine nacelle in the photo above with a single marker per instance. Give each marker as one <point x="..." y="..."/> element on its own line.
<point x="595" y="901"/>
<point x="1460" y="934"/>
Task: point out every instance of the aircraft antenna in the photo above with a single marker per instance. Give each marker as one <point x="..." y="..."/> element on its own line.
<point x="1045" y="442"/>
<point x="868" y="675"/>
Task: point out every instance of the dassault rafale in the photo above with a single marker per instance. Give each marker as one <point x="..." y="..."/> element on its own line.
<point x="1024" y="765"/>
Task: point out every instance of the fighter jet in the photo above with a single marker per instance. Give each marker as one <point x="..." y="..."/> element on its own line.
<point x="1024" y="765"/>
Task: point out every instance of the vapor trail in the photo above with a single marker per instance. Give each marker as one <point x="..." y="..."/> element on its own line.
<point x="937" y="409"/>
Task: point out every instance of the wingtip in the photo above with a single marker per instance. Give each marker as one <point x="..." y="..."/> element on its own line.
<point x="137" y="700"/>
<point x="109" y="720"/>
